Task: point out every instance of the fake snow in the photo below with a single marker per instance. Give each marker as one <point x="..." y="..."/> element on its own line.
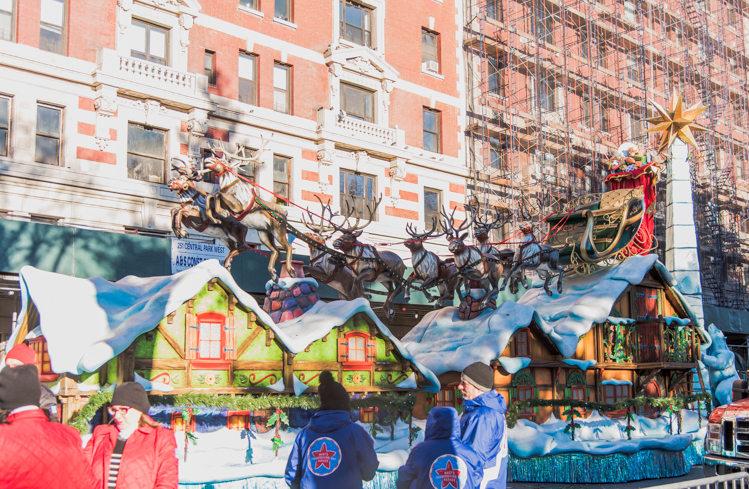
<point x="409" y="383"/>
<point x="601" y="435"/>
<point x="82" y="388"/>
<point x="278" y="386"/>
<point x="674" y="319"/>
<point x="614" y="320"/>
<point x="150" y="385"/>
<point x="514" y="364"/>
<point x="116" y="313"/>
<point x="288" y="283"/>
<point x="582" y="364"/>
<point x="299" y="386"/>
<point x="444" y="343"/>
<point x="616" y="382"/>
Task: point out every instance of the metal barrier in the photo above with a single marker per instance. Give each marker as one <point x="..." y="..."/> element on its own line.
<point x="737" y="480"/>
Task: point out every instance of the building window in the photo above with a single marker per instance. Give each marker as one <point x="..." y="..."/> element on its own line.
<point x="251" y="4"/>
<point x="524" y="394"/>
<point x="281" y="166"/>
<point x="632" y="72"/>
<point x="615" y="393"/>
<point x="494" y="9"/>
<point x="48" y="131"/>
<point x="546" y="88"/>
<point x="282" y="88"/>
<point x="603" y="116"/>
<point x="209" y="67"/>
<point x="496" y="157"/>
<point x="239" y="420"/>
<point x="148" y="42"/>
<point x="366" y="415"/>
<point x="730" y="15"/>
<point x="358" y="103"/>
<point x="432" y="207"/>
<point x="43" y="363"/>
<point x="357" y="349"/>
<point x="356" y="23"/>
<point x="4" y="126"/>
<point x="52" y="26"/>
<point x="584" y="40"/>
<point x="636" y="127"/>
<point x="177" y="422"/>
<point x="431" y="126"/>
<point x="6" y="20"/>
<point x="283" y="10"/>
<point x="578" y="393"/>
<point x="546" y="27"/>
<point x="146" y="149"/>
<point x="586" y="106"/>
<point x="522" y="343"/>
<point x="445" y="397"/>
<point x="248" y="78"/>
<point x="358" y="191"/>
<point x="496" y="81"/>
<point x="430" y="51"/>
<point x="601" y="48"/>
<point x="629" y="10"/>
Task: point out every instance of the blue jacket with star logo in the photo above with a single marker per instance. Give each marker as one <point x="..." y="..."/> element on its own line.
<point x="331" y="452"/>
<point x="441" y="461"/>
<point x="483" y="427"/>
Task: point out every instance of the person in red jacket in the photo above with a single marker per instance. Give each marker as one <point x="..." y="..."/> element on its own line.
<point x="135" y="452"/>
<point x="35" y="453"/>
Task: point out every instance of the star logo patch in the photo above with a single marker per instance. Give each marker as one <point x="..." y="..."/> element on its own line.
<point x="448" y="472"/>
<point x="323" y="456"/>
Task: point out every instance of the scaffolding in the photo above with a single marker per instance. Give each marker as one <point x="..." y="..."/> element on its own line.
<point x="556" y="86"/>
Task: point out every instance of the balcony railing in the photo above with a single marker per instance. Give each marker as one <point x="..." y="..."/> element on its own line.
<point x="151" y="75"/>
<point x="648" y="341"/>
<point x="368" y="131"/>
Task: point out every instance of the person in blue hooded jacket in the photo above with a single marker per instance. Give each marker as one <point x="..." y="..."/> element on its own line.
<point x="331" y="451"/>
<point x="483" y="426"/>
<point x="441" y="460"/>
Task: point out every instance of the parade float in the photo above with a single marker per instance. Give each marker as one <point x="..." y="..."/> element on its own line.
<point x="600" y="360"/>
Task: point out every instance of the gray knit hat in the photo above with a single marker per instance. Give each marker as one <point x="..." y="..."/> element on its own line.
<point x="479" y="375"/>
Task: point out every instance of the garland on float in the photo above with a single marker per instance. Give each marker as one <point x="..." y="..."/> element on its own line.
<point x="391" y="401"/>
<point x="669" y="404"/>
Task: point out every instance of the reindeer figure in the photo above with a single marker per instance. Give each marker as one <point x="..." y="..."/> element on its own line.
<point x="238" y="198"/>
<point x="370" y="271"/>
<point x="530" y="255"/>
<point x="192" y="213"/>
<point x="323" y="267"/>
<point x="428" y="268"/>
<point x="486" y="272"/>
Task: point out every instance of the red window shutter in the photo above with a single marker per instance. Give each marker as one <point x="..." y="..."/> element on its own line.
<point x="230" y="338"/>
<point x="371" y="349"/>
<point x="191" y="336"/>
<point x="343" y="349"/>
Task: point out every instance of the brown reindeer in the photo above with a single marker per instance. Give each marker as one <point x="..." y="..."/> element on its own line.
<point x="366" y="270"/>
<point x="322" y="266"/>
<point x="486" y="273"/>
<point x="236" y="198"/>
<point x="192" y="213"/>
<point x="429" y="269"/>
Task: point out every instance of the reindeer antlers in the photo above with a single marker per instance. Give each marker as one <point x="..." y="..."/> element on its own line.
<point x="240" y="160"/>
<point x="321" y="227"/>
<point x="350" y="212"/>
<point x="432" y="233"/>
<point x="449" y="220"/>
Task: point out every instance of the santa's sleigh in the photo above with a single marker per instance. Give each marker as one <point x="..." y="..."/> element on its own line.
<point x="597" y="228"/>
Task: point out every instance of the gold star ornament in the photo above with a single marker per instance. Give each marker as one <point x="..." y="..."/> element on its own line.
<point x="676" y="122"/>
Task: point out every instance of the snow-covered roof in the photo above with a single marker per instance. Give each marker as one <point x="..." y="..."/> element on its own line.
<point x="87" y="322"/>
<point x="445" y="343"/>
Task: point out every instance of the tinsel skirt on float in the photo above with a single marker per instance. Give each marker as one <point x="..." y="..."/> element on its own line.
<point x="582" y="468"/>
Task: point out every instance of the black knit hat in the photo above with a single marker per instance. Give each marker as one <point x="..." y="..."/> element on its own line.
<point x="19" y="386"/>
<point x="131" y="394"/>
<point x="333" y="397"/>
<point x="480" y="375"/>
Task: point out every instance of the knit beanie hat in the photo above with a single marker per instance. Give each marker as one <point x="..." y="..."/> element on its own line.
<point x="22" y="353"/>
<point x="19" y="386"/>
<point x="479" y="375"/>
<point x="333" y="396"/>
<point x="131" y="394"/>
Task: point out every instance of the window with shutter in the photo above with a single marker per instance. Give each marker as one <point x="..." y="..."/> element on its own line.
<point x="43" y="362"/>
<point x="357" y="350"/>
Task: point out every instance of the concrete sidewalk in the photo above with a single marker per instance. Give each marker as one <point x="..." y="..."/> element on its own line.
<point x="695" y="473"/>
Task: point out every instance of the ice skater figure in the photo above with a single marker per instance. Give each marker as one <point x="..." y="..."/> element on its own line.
<point x="483" y="426"/>
<point x="441" y="460"/>
<point x="331" y="451"/>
